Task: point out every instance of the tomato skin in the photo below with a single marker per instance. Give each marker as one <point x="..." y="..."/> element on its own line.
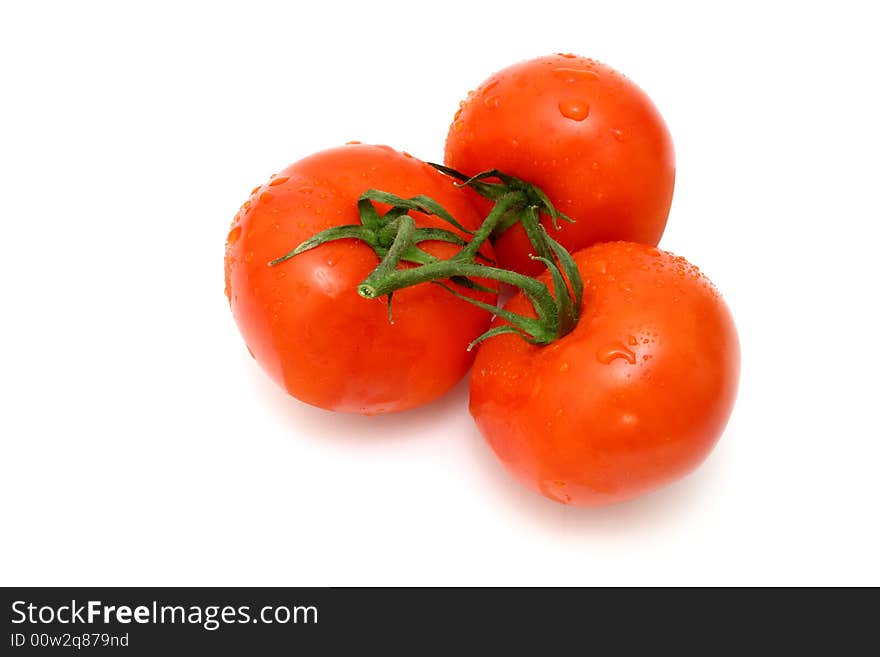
<point x="582" y="132"/>
<point x="303" y="320"/>
<point x="632" y="399"/>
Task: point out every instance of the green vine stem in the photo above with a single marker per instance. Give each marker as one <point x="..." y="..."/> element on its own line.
<point x="395" y="238"/>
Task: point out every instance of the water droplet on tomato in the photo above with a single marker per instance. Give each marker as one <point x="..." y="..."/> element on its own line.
<point x="613" y="351"/>
<point x="617" y="134"/>
<point x="567" y="55"/>
<point x="574" y="109"/>
<point x="279" y="181"/>
<point x="266" y="197"/>
<point x="233" y="236"/>
<point x="492" y="102"/>
<point x="256" y="189"/>
<point x="555" y="490"/>
<point x="563" y="367"/>
<point x="572" y="75"/>
<point x="631" y="339"/>
<point x="354" y="142"/>
<point x="629" y="419"/>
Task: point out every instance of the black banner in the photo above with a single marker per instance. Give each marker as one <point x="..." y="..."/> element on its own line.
<point x="270" y="621"/>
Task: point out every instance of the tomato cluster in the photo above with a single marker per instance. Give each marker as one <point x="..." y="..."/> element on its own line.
<point x="364" y="280"/>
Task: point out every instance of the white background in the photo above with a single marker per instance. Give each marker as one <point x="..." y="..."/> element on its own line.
<point x="141" y="444"/>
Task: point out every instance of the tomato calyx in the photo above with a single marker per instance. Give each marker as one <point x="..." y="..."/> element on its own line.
<point x="556" y="313"/>
<point x="380" y="230"/>
<point x="395" y="238"/>
<point x="494" y="184"/>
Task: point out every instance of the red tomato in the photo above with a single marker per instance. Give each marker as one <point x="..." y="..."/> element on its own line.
<point x="582" y="132"/>
<point x="633" y="398"/>
<point x="303" y="320"/>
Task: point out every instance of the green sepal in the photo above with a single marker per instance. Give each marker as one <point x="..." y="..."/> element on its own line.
<point x="491" y="192"/>
<point x="534" y="231"/>
<point x="555" y="215"/>
<point x="419" y="203"/>
<point x="569" y="268"/>
<point x="369" y="214"/>
<point x="351" y="231"/>
<point x="500" y="330"/>
<point x="564" y="307"/>
<point x="532" y="327"/>
<point x="439" y="235"/>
